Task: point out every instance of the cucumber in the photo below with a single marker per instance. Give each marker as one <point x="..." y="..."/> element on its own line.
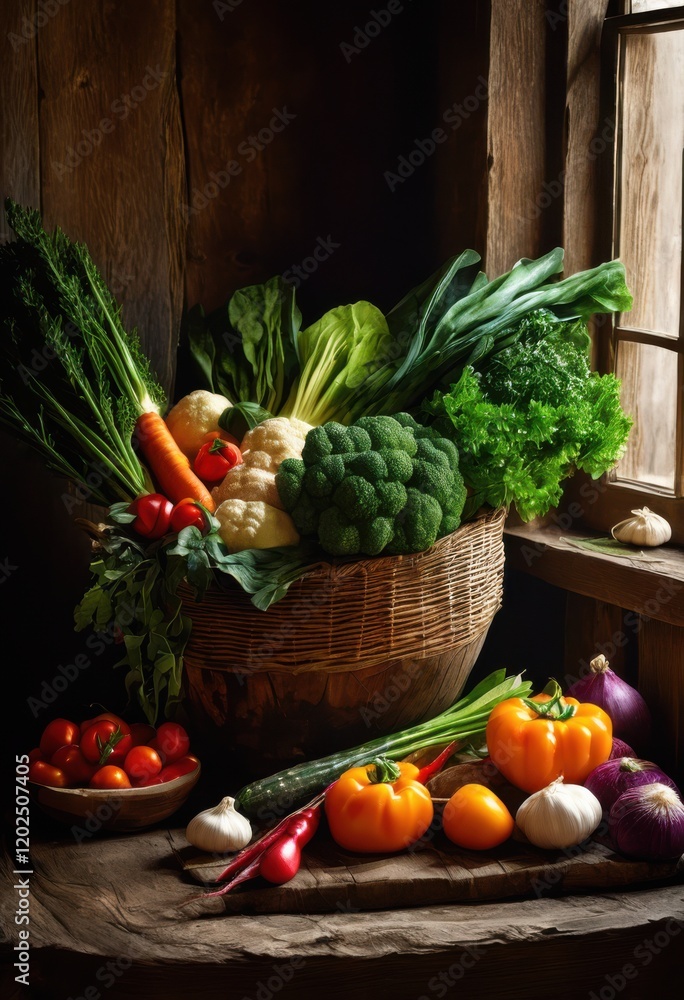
<point x="268" y="800"/>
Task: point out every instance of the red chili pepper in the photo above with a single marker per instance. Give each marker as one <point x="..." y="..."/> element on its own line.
<point x="153" y="515"/>
<point x="216" y="458"/>
<point x="437" y="764"/>
<point x="190" y="513"/>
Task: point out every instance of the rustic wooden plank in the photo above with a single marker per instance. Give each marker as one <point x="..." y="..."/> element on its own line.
<point x="516" y="133"/>
<point x="19" y="139"/>
<point x="661" y="670"/>
<point x="433" y="872"/>
<point x="112" y="156"/>
<point x="588" y="136"/>
<point x="650" y="583"/>
<point x="461" y="172"/>
<point x="590" y="627"/>
<point x="118" y="897"/>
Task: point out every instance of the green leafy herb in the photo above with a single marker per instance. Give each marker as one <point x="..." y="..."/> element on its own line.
<point x="246" y="350"/>
<point x="531" y="416"/>
<point x="354" y="361"/>
<point x="136" y="594"/>
<point x="74" y="380"/>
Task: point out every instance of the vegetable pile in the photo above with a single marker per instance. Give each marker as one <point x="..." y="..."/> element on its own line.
<point x="548" y="772"/>
<point x="365" y="432"/>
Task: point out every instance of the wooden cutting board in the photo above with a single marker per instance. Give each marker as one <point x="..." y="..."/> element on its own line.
<point x="435" y="872"/>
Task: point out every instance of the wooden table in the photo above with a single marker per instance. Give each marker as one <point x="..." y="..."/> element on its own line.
<point x="105" y="920"/>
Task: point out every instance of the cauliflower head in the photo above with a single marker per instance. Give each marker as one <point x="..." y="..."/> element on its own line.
<point x="194" y="417"/>
<point x="253" y="524"/>
<point x="266" y="445"/>
<point x="246" y="482"/>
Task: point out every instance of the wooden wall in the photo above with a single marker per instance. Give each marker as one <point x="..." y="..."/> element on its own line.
<point x="200" y="146"/>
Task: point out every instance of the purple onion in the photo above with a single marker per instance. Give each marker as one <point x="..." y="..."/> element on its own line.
<point x="628" y="711"/>
<point x="621" y="749"/>
<point x="647" y="822"/>
<point x="609" y="780"/>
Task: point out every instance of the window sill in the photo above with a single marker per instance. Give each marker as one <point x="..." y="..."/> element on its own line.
<point x="651" y="583"/>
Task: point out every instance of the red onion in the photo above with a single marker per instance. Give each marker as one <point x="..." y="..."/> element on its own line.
<point x="628" y="711"/>
<point x="621" y="749"/>
<point x="647" y="822"/>
<point x="609" y="780"/>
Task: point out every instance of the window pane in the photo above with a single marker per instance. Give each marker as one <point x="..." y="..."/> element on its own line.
<point x="639" y="5"/>
<point x="649" y="396"/>
<point x="650" y="177"/>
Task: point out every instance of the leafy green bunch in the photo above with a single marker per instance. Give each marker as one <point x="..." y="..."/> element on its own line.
<point x="532" y="415"/>
<point x="135" y="593"/>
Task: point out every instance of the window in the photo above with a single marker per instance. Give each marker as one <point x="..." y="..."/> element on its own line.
<point x="644" y="86"/>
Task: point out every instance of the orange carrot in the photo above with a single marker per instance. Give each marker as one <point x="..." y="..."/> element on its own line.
<point x="170" y="467"/>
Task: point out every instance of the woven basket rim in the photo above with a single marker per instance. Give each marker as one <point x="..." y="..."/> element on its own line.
<point x="360" y="612"/>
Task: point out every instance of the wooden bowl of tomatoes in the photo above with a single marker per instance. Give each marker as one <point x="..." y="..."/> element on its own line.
<point x="103" y="774"/>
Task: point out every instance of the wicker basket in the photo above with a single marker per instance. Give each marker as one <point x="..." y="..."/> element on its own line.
<point x="355" y="649"/>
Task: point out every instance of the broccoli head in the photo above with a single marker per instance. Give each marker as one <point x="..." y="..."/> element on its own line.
<point x="382" y="484"/>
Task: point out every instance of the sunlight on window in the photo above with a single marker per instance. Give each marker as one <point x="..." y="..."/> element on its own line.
<point x="649" y="242"/>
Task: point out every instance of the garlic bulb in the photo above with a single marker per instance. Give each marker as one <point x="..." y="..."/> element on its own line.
<point x="559" y="815"/>
<point x="644" y="528"/>
<point x="219" y="830"/>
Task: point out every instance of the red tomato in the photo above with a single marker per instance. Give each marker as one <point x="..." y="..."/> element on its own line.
<point x="70" y="759"/>
<point x="142" y="733"/>
<point x="105" y="743"/>
<point x="45" y="774"/>
<point x="35" y="754"/>
<point x="58" y="733"/>
<point x="110" y="776"/>
<point x="142" y="763"/>
<point x="171" y="742"/>
<point x="188" y="513"/>
<point x="110" y="717"/>
<point x="176" y="770"/>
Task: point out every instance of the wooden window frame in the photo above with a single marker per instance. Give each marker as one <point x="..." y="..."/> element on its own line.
<point x="620" y="496"/>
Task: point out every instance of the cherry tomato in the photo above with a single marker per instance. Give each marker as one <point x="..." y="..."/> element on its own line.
<point x="223" y="435"/>
<point x="45" y="774"/>
<point x="189" y="513"/>
<point x="110" y="776"/>
<point x="58" y="733"/>
<point x="142" y="763"/>
<point x="185" y="765"/>
<point x="476" y="818"/>
<point x="153" y="515"/>
<point x="215" y="459"/>
<point x="35" y="754"/>
<point x="171" y="742"/>
<point x="110" y="717"/>
<point x="70" y="759"/>
<point x="105" y="743"/>
<point x="142" y="733"/>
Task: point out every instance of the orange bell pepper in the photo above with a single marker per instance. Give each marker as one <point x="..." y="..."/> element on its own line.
<point x="378" y="808"/>
<point x="533" y="741"/>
